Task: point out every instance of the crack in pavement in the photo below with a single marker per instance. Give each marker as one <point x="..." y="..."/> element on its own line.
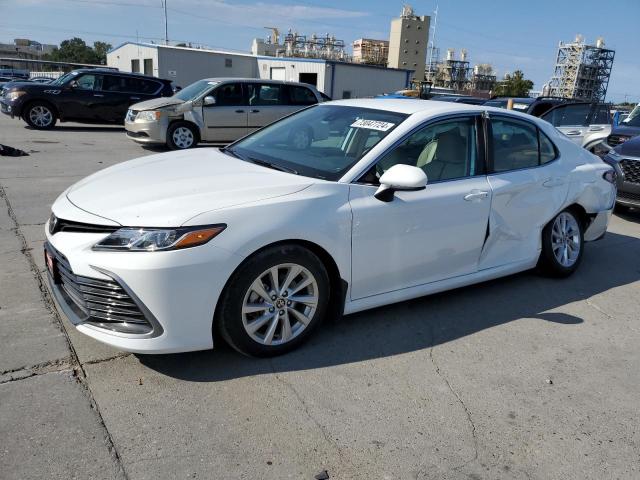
<point x="21" y="373"/>
<point x="460" y="401"/>
<point x="325" y="434"/>
<point x="49" y="305"/>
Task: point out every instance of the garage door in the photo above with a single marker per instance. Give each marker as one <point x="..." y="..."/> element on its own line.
<point x="278" y="73"/>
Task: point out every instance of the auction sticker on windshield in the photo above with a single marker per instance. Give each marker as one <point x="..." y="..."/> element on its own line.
<point x="373" y="124"/>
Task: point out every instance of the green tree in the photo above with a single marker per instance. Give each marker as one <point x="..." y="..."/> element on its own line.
<point x="75" y="50"/>
<point x="100" y="49"/>
<point x="514" y="85"/>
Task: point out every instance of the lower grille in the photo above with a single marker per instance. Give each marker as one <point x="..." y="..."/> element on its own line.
<point x="137" y="134"/>
<point x="105" y="303"/>
<point x="632" y="197"/>
<point x="615" y="140"/>
<point x="631" y="170"/>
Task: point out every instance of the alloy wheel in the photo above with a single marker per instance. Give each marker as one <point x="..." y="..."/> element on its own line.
<point x="280" y="304"/>
<point x="182" y="137"/>
<point x="565" y="239"/>
<point x="41" y="116"/>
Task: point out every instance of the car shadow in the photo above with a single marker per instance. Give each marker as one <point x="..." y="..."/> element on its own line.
<point x="88" y="128"/>
<point x="426" y="322"/>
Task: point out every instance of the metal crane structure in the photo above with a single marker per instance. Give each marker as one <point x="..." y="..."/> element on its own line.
<point x="582" y="71"/>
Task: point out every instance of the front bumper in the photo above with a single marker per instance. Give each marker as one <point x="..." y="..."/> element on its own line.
<point x="177" y="291"/>
<point x="628" y="179"/>
<point x="147" y="132"/>
<point x="10" y="108"/>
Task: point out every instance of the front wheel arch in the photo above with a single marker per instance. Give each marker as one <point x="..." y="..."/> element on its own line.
<point x="337" y="285"/>
<point x="27" y="106"/>
<point x="192" y="125"/>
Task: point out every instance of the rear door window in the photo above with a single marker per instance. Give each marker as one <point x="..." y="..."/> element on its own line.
<point x="115" y="83"/>
<point x="518" y="144"/>
<point x="515" y="145"/>
<point x="301" y="96"/>
<point x="266" y="94"/>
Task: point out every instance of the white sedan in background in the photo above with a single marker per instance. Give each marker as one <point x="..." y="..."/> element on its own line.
<point x="263" y="239"/>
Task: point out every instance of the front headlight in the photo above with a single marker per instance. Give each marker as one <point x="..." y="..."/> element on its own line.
<point x="154" y="239"/>
<point x="148" y="115"/>
<point x="11" y="96"/>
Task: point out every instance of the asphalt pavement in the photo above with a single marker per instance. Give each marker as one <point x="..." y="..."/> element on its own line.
<point x="524" y="377"/>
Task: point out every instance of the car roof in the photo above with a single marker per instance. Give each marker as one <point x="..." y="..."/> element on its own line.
<point x="118" y="72"/>
<point x="254" y="80"/>
<point x="427" y="107"/>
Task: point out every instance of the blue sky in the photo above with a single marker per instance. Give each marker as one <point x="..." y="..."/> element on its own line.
<point x="509" y="34"/>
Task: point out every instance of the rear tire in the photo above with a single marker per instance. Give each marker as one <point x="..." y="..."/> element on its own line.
<point x="40" y="115"/>
<point x="274" y="301"/>
<point x="181" y="136"/>
<point x="562" y="245"/>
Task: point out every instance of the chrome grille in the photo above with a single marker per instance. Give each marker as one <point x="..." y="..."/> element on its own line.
<point x="105" y="303"/>
<point x="631" y="170"/>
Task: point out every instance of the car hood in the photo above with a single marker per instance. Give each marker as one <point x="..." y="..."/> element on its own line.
<point x="624" y="130"/>
<point x="27" y="86"/>
<point x="156" y="103"/>
<point x="630" y="148"/>
<point x="168" y="189"/>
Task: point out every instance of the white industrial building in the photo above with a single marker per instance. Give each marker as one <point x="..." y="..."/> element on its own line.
<point x="185" y="65"/>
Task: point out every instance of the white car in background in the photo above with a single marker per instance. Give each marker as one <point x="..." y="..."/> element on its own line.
<point x="263" y="239"/>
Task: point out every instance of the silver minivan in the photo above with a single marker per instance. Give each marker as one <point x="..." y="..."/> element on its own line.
<point x="217" y="110"/>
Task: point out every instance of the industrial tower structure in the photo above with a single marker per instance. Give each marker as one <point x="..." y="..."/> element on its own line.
<point x="408" y="42"/>
<point x="582" y="71"/>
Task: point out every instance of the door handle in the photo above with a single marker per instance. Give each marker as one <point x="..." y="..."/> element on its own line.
<point x="596" y="129"/>
<point x="135" y="98"/>
<point x="475" y="195"/>
<point x="98" y="95"/>
<point x="553" y="182"/>
<point x="573" y="133"/>
<point x="239" y="111"/>
<point x="255" y="111"/>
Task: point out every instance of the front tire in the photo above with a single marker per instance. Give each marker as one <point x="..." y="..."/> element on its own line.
<point x="274" y="301"/>
<point x="181" y="136"/>
<point x="562" y="245"/>
<point x="40" y="115"/>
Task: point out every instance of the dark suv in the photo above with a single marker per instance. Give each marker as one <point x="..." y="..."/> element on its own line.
<point x="626" y="130"/>
<point x="87" y="96"/>
<point x="625" y="159"/>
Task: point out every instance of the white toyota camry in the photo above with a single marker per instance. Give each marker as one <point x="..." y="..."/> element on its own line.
<point x="341" y="207"/>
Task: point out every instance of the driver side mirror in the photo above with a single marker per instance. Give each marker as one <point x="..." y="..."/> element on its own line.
<point x="400" y="177"/>
<point x="209" y="100"/>
<point x="73" y="84"/>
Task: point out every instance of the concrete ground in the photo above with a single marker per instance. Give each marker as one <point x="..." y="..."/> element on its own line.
<point x="519" y="378"/>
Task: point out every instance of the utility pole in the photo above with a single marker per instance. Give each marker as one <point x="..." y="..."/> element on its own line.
<point x="166" y="32"/>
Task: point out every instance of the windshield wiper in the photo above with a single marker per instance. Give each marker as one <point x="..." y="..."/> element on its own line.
<point x="275" y="166"/>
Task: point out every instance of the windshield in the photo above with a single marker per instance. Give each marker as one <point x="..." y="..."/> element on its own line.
<point x="323" y="141"/>
<point x="63" y="79"/>
<point x="633" y="120"/>
<point x="195" y="90"/>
